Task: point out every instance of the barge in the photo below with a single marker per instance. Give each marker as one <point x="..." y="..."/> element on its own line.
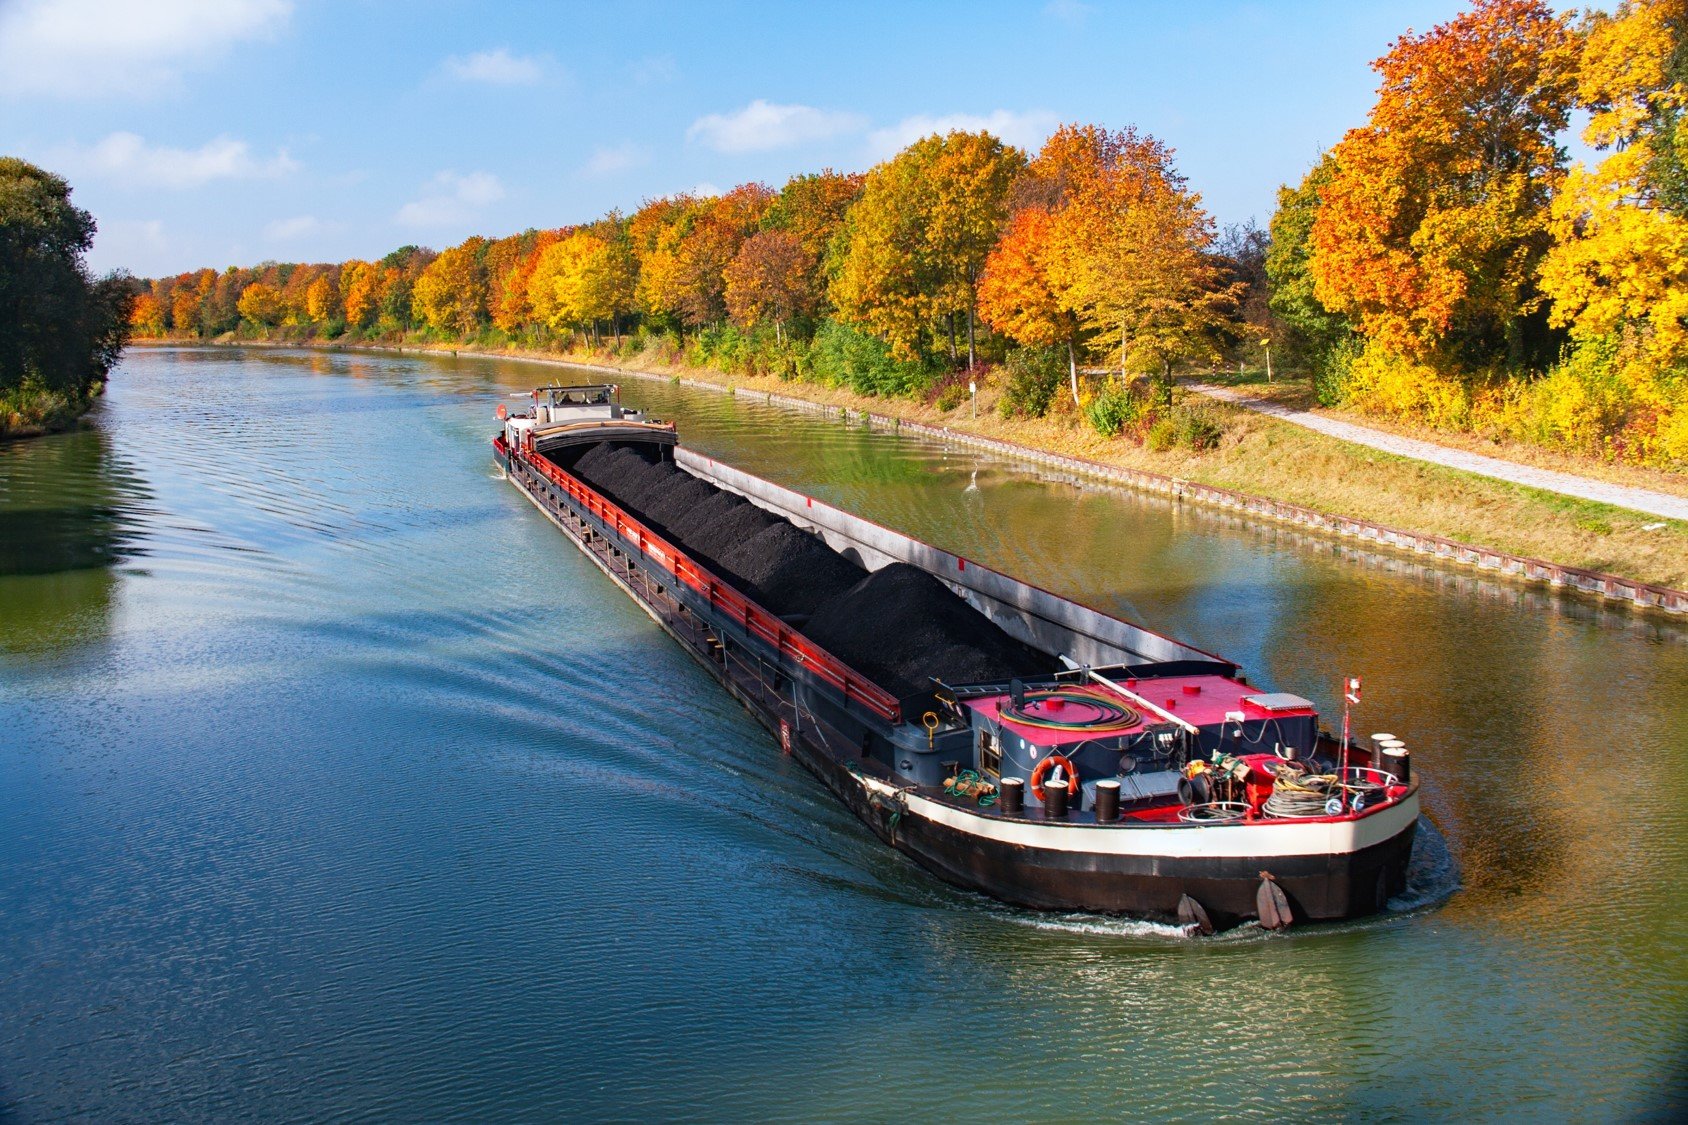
<point x="1007" y="739"/>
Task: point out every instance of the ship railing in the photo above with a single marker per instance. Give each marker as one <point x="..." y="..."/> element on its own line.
<point x="749" y="616"/>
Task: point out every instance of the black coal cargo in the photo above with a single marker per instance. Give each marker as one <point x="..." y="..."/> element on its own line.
<point x="899" y="626"/>
<point x="792" y="571"/>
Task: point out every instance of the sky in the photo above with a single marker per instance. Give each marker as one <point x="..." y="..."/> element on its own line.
<point x="229" y="132"/>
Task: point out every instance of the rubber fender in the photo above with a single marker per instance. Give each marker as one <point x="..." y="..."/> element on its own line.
<point x="1271" y="904"/>
<point x="1190" y="913"/>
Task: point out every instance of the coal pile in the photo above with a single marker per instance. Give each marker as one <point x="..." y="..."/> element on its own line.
<point x="613" y="469"/>
<point x="669" y="502"/>
<point x="739" y="524"/>
<point x="793" y="571"/>
<point x="900" y="626"/>
<point x="707" y="514"/>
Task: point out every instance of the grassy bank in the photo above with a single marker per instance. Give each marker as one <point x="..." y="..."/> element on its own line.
<point x="30" y="411"/>
<point x="1266" y="457"/>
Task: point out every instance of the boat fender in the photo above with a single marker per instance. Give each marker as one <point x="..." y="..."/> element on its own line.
<point x="1191" y="914"/>
<point x="1271" y="904"/>
<point x="1048" y="766"/>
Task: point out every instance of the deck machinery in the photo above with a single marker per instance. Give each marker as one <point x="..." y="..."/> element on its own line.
<point x="1136" y="774"/>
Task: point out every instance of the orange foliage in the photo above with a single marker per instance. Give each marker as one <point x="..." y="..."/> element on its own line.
<point x="1435" y="218"/>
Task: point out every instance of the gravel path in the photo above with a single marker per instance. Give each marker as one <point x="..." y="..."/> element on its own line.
<point x="1568" y="484"/>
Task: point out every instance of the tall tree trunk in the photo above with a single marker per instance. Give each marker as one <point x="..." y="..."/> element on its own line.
<point x="1166" y="382"/>
<point x="1122" y="351"/>
<point x="972" y="299"/>
<point x="1072" y="369"/>
<point x="952" y="338"/>
<point x="779" y="333"/>
<point x="615" y="322"/>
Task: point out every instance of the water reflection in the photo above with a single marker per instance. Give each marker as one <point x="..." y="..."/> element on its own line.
<point x="68" y="511"/>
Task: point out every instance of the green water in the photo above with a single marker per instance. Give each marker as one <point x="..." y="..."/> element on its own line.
<point x="335" y="784"/>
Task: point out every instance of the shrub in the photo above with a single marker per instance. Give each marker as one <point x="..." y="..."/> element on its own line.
<point x="1116" y="406"/>
<point x="840" y="356"/>
<point x="1162" y="435"/>
<point x="1196" y="427"/>
<point x="1034" y="377"/>
<point x="951" y="396"/>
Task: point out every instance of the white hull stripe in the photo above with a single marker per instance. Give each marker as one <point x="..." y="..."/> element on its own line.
<point x="1242" y="841"/>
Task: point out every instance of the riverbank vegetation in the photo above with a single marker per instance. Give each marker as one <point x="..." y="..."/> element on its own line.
<point x="61" y="329"/>
<point x="1445" y="265"/>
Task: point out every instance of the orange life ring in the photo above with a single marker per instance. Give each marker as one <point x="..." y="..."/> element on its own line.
<point x="1043" y="770"/>
<point x="503" y="412"/>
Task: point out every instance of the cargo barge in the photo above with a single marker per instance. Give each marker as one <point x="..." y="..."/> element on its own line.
<point x="1008" y="740"/>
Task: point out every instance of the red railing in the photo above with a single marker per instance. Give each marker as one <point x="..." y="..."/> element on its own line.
<point x="721" y="597"/>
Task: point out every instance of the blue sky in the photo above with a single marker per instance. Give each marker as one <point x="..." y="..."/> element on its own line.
<point x="223" y="132"/>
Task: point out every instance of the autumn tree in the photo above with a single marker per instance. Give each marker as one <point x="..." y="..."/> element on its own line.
<point x="146" y="316"/>
<point x="1026" y="293"/>
<point x="450" y="293"/>
<point x="811" y="208"/>
<point x="1435" y="219"/>
<point x="261" y="304"/>
<point x="359" y="292"/>
<point x="582" y="280"/>
<point x="511" y="308"/>
<point x="188" y="298"/>
<point x="703" y="252"/>
<point x="322" y="299"/>
<point x="655" y="233"/>
<point x="770" y="279"/>
<point x="1314" y="331"/>
<point x="919" y="235"/>
<point x="1016" y="295"/>
<point x="1620" y="257"/>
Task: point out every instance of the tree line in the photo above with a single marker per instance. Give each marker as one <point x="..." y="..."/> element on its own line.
<point x="1445" y="262"/>
<point x="61" y="329"/>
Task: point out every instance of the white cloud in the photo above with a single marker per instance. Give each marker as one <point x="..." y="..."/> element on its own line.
<point x="1027" y="130"/>
<point x="609" y="161"/>
<point x="128" y="157"/>
<point x="496" y="68"/>
<point x="704" y="190"/>
<point x="288" y="230"/>
<point x="451" y="198"/>
<point x="87" y="48"/>
<point x="760" y="126"/>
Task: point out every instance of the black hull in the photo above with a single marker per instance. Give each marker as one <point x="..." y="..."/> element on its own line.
<point x="1320" y="885"/>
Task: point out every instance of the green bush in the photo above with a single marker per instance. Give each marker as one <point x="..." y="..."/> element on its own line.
<point x="952" y="396"/>
<point x="1330" y="370"/>
<point x="840" y="356"/>
<point x="1116" y="406"/>
<point x="1034" y="378"/>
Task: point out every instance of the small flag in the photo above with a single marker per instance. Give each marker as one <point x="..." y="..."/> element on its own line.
<point x="1352" y="688"/>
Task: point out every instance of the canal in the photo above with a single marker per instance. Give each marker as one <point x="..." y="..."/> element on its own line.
<point x="334" y="783"/>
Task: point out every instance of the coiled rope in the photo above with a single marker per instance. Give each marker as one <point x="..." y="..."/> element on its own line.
<point x="1109" y="716"/>
<point x="1299" y="795"/>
